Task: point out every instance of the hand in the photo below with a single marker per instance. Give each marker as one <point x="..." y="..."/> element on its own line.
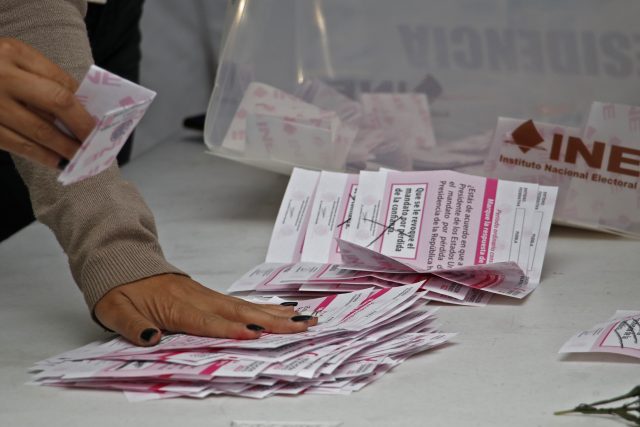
<point x="33" y="93"/>
<point x="140" y="310"/>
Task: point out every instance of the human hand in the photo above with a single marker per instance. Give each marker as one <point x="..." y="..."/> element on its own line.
<point x="33" y="93"/>
<point x="140" y="310"/>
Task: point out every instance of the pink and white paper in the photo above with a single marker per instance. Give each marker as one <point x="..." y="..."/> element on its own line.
<point x="117" y="105"/>
<point x="404" y="116"/>
<point x="387" y="229"/>
<point x="272" y="125"/>
<point x="298" y="278"/>
<point x="359" y="337"/>
<point x="291" y="223"/>
<point x="438" y="220"/>
<point x="619" y="335"/>
<point x="330" y="217"/>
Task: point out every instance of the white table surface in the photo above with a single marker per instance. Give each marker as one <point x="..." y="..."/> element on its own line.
<point x="215" y="219"/>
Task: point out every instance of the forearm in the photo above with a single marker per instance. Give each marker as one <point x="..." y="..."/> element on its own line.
<point x="102" y="222"/>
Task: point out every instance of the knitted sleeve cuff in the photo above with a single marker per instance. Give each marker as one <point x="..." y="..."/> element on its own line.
<point x="120" y="264"/>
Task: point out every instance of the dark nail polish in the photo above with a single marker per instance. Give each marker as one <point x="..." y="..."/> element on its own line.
<point x="301" y="318"/>
<point x="254" y="327"/>
<point x="289" y="303"/>
<point x="63" y="163"/>
<point x="147" y="334"/>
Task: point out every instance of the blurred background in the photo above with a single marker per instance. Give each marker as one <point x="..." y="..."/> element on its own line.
<point x="180" y="46"/>
<point x="475" y="60"/>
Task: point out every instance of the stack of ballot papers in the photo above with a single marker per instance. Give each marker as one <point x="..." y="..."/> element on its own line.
<point x="461" y="238"/>
<point x="363" y="253"/>
<point x="359" y="337"/>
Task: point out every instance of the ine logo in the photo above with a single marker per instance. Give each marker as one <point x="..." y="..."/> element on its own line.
<point x="526" y="137"/>
<point x="597" y="155"/>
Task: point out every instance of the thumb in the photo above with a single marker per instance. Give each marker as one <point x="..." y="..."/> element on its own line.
<point x="119" y="314"/>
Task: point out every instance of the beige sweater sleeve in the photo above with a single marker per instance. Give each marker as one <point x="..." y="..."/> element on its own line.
<point x="102" y="223"/>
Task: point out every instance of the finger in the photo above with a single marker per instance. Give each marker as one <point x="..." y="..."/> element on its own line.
<point x="120" y="315"/>
<point x="17" y="144"/>
<point x="287" y="305"/>
<point x="216" y="299"/>
<point x="55" y="99"/>
<point x="270" y="316"/>
<point x="246" y="313"/>
<point x="45" y="116"/>
<point x="188" y="319"/>
<point x="30" y="59"/>
<point x="276" y="310"/>
<point x="39" y="130"/>
<point x="216" y="302"/>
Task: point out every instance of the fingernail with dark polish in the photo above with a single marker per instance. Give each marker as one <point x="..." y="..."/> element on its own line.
<point x="289" y="303"/>
<point x="254" y="327"/>
<point x="147" y="334"/>
<point x="63" y="163"/>
<point x="301" y="318"/>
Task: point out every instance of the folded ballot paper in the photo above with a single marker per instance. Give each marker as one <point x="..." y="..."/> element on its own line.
<point x="461" y="237"/>
<point x="271" y="124"/>
<point x="619" y="335"/>
<point x="117" y="105"/>
<point x="359" y="337"/>
<point x="318" y="127"/>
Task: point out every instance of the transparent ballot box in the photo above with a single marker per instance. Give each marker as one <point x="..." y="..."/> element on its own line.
<point x="410" y="84"/>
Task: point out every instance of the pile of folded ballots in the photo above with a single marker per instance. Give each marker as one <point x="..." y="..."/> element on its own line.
<point x="363" y="253"/>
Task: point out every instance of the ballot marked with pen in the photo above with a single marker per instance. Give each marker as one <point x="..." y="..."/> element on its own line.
<point x="453" y="232"/>
<point x="619" y="335"/>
